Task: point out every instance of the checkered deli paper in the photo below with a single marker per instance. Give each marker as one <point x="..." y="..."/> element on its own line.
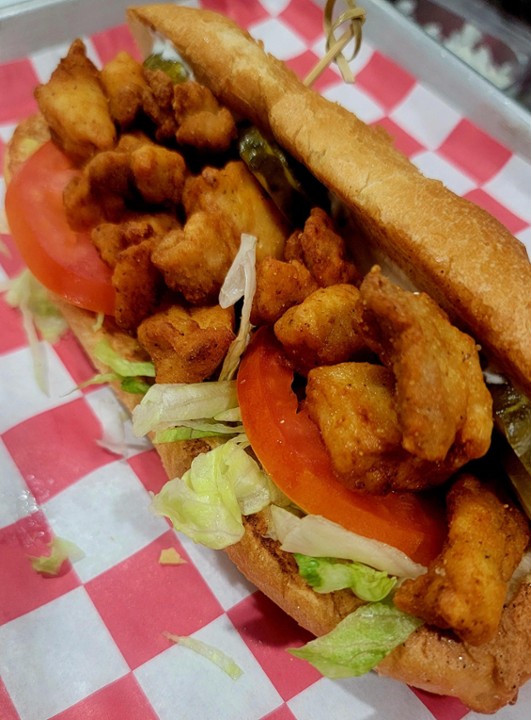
<point x="90" y="643"/>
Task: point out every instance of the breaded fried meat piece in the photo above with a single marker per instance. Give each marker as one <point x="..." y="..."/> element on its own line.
<point x="325" y="329"/>
<point x="465" y="587"/>
<point x="187" y="344"/>
<point x="233" y="193"/>
<point x="159" y="174"/>
<point x="353" y="405"/>
<point x="279" y="286"/>
<point x="196" y="259"/>
<point x="125" y="86"/>
<point x="111" y="238"/>
<point x="83" y="126"/>
<point x="202" y="122"/>
<point x="137" y="283"/>
<point x="322" y="250"/>
<point x="443" y="405"/>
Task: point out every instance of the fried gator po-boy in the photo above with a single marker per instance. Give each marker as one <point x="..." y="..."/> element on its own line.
<point x="372" y="396"/>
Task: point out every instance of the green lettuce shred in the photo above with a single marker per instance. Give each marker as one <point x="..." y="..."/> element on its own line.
<point x="60" y="551"/>
<point x="191" y="430"/>
<point x="360" y="641"/>
<point x="39" y="315"/>
<point x="129" y="373"/>
<point x="219" y="658"/>
<point x="208" y="502"/>
<point x="184" y="404"/>
<point x="119" y="365"/>
<point x="326" y="575"/>
<point x="26" y="293"/>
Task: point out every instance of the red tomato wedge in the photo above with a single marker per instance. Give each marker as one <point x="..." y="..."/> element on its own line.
<point x="290" y="448"/>
<point x="65" y="262"/>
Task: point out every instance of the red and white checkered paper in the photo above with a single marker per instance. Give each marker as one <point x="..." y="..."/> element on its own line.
<point x="90" y="643"/>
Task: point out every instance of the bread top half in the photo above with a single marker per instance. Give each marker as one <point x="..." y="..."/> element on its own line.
<point x="447" y="246"/>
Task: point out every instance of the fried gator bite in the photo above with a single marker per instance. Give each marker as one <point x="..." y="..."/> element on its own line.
<point x="233" y="193"/>
<point x="413" y="423"/>
<point x="443" y="405"/>
<point x="125" y="87"/>
<point x="187" y="344"/>
<point x="83" y="126"/>
<point x="353" y="405"/>
<point x="324" y="329"/>
<point x="465" y="587"/>
<point x="136" y="173"/>
<point x="220" y="205"/>
<point x="201" y="121"/>
<point x="279" y="286"/>
<point x="313" y="257"/>
<point x="322" y="251"/>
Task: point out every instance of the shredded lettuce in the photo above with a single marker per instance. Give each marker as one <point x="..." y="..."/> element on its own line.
<point x="170" y="405"/>
<point x="26" y="293"/>
<point x="360" y="641"/>
<point x="177" y="434"/>
<point x="60" y="551"/>
<point x="197" y="429"/>
<point x="208" y="502"/>
<point x="240" y="282"/>
<point x="39" y="315"/>
<point x="326" y="575"/>
<point x="129" y="373"/>
<point x="119" y="365"/>
<point x="316" y="536"/>
<point x="219" y="658"/>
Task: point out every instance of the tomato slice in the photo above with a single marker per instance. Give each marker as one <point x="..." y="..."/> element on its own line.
<point x="290" y="448"/>
<point x="65" y="262"/>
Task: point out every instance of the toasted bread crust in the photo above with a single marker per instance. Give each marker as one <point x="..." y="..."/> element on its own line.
<point x="485" y="679"/>
<point x="447" y="246"/>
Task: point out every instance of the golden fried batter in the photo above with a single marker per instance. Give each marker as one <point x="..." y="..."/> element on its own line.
<point x="80" y="126"/>
<point x="137" y="284"/>
<point x="157" y="104"/>
<point x="136" y="173"/>
<point x="125" y="86"/>
<point x="233" y="192"/>
<point x="279" y="286"/>
<point x="353" y="405"/>
<point x="82" y="209"/>
<point x="443" y="405"/>
<point x="111" y="238"/>
<point x="101" y="192"/>
<point x="110" y="182"/>
<point x="187" y="345"/>
<point x="325" y="329"/>
<point x="195" y="260"/>
<point x="202" y="122"/>
<point x="465" y="587"/>
<point x="159" y="174"/>
<point x="322" y="250"/>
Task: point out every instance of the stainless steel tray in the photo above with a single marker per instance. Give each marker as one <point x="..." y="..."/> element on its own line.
<point x="448" y="76"/>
